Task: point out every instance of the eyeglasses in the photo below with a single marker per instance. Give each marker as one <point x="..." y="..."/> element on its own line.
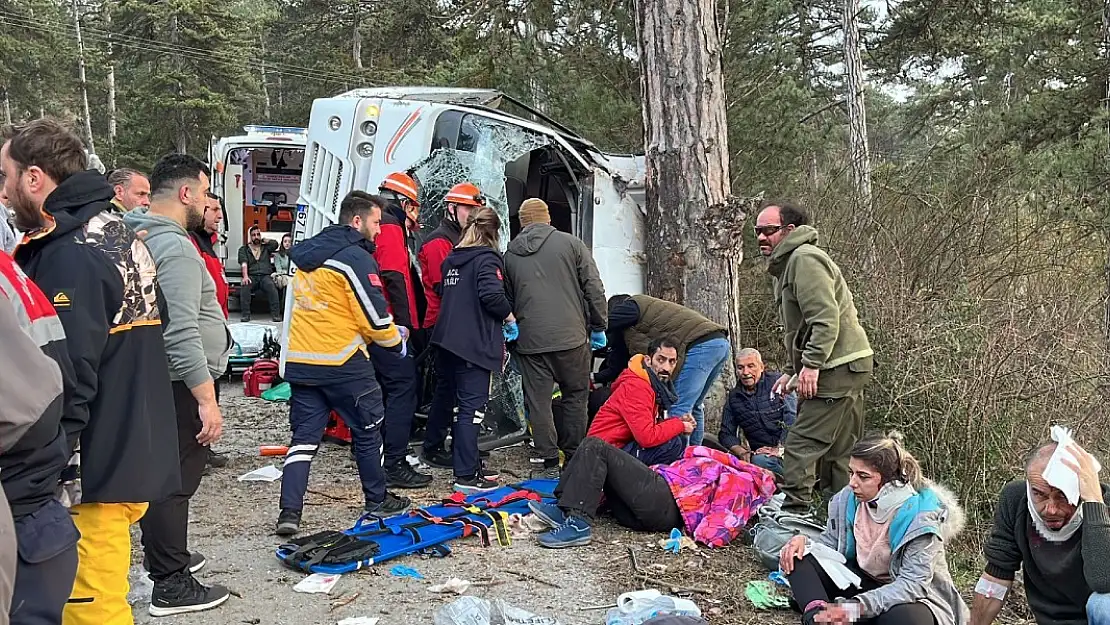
<point x="767" y="230"/>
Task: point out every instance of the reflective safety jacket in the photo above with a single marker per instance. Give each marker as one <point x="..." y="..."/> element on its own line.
<point x="338" y="309"/>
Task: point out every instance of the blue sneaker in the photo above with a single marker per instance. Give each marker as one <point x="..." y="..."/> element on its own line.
<point x="574" y="532"/>
<point x="549" y="513"/>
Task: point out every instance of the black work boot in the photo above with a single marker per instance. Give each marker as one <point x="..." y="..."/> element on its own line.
<point x="181" y="593"/>
<point x="391" y="506"/>
<point x="288" y="523"/>
<point x="402" y="475"/>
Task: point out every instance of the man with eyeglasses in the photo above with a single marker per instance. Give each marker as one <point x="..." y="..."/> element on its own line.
<point x="829" y="357"/>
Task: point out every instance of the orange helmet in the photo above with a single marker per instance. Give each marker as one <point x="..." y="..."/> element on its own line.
<point x="402" y="184"/>
<point x="465" y="193"/>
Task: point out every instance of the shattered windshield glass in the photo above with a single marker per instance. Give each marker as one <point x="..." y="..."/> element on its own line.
<point x="486" y="146"/>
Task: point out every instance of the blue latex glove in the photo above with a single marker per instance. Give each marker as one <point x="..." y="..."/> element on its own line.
<point x="674" y="543"/>
<point x="511" y="331"/>
<point x="598" y="339"/>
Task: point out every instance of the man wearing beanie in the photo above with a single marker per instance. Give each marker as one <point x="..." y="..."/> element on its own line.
<point x="560" y="308"/>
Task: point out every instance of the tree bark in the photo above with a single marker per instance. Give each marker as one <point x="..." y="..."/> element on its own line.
<point x="81" y="76"/>
<point x="1105" y="53"/>
<point x="265" y="89"/>
<point x="694" y="247"/>
<point x="7" y="109"/>
<point x="112" y="116"/>
<point x="356" y="39"/>
<point x="859" y="153"/>
<point x="182" y="141"/>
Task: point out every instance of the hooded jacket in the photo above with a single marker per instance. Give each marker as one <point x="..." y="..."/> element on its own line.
<point x="196" y="334"/>
<point x="338" y="309"/>
<point x="632" y="414"/>
<point x="400" y="278"/>
<point x="556" y="290"/>
<point x="918" y="566"/>
<point x="102" y="281"/>
<point x="816" y="307"/>
<point x="30" y="469"/>
<point x="474" y="306"/>
<point x="203" y="240"/>
<point x="432" y="253"/>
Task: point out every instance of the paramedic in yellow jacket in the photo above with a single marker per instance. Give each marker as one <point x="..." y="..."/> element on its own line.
<point x="338" y="310"/>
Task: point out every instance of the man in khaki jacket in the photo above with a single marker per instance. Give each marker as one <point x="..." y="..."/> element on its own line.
<point x="829" y="356"/>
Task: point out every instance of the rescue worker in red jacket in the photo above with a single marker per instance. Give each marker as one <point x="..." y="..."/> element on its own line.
<point x="460" y="200"/>
<point x="395" y="251"/>
<point x="635" y="416"/>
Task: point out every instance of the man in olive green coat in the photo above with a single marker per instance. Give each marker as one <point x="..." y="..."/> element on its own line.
<point x="829" y="358"/>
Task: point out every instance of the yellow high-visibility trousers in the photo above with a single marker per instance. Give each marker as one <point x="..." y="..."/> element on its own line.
<point x="104" y="558"/>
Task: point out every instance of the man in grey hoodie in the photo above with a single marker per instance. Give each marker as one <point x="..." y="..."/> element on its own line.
<point x="559" y="303"/>
<point x="197" y="343"/>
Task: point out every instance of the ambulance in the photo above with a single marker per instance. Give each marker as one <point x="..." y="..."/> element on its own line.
<point x="257" y="177"/>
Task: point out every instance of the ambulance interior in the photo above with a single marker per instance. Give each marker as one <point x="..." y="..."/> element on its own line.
<point x="270" y="179"/>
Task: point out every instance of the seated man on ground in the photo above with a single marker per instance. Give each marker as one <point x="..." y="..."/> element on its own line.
<point x="635" y="416"/>
<point x="890" y="524"/>
<point x="1062" y="549"/>
<point x="754" y="413"/>
<point x="707" y="493"/>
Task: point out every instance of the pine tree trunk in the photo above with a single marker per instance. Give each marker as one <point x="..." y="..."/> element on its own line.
<point x="7" y="109"/>
<point x="112" y="118"/>
<point x="1105" y="52"/>
<point x="81" y="76"/>
<point x="182" y="141"/>
<point x="356" y="40"/>
<point x="265" y="89"/>
<point x="694" y="245"/>
<point x="858" y="152"/>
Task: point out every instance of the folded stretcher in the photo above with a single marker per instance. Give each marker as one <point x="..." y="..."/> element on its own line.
<point x="423" y="530"/>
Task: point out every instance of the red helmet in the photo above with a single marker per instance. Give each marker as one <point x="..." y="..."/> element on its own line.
<point x="465" y="193"/>
<point x="403" y="185"/>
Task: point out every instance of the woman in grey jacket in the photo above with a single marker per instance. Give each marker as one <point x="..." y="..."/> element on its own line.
<point x="889" y="525"/>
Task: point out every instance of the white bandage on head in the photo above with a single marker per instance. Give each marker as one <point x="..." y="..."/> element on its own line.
<point x="990" y="589"/>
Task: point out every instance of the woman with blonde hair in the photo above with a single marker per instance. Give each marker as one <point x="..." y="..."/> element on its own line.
<point x="890" y="525"/>
<point x="470" y="344"/>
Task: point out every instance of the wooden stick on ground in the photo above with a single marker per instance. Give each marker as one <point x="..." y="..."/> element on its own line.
<point x="342" y="602"/>
<point x="332" y="497"/>
<point x="643" y="576"/>
<point x="533" y="578"/>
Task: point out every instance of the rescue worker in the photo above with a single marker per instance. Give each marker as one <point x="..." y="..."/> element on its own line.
<point x="395" y="253"/>
<point x="204" y="238"/>
<point x="339" y="310"/>
<point x="470" y="344"/>
<point x="460" y="200"/>
<point x="102" y="281"/>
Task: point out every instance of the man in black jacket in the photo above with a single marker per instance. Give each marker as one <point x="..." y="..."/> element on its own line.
<point x="101" y="280"/>
<point x="30" y="470"/>
<point x="754" y="413"/>
<point x="559" y="302"/>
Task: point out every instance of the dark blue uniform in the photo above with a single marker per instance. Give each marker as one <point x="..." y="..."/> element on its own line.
<point x="470" y="346"/>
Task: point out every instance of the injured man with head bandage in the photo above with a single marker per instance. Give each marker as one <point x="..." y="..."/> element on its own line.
<point x="1054" y="527"/>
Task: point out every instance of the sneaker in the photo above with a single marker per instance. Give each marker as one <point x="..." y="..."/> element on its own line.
<point x="402" y="475"/>
<point x="438" y="458"/>
<point x="245" y="318"/>
<point x="475" y="485"/>
<point x="549" y="513"/>
<point x="196" y="562"/>
<point x="275" y="318"/>
<point x="181" y="593"/>
<point x="215" y="460"/>
<point x="390" y="506"/>
<point x="489" y="474"/>
<point x="288" y="523"/>
<point x="548" y="473"/>
<point x="573" y="532"/>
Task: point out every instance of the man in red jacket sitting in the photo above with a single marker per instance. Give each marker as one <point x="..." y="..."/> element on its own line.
<point x="635" y="416"/>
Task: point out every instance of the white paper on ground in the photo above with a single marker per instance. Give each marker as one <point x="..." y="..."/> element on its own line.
<point x="360" y="620"/>
<point x="317" y="583"/>
<point x="1057" y="474"/>
<point x="834" y="564"/>
<point x="455" y="585"/>
<point x="268" y="473"/>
